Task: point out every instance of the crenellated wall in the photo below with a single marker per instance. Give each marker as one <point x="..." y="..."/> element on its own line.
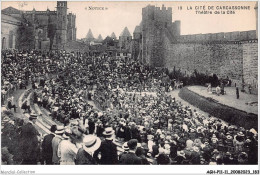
<point x="155" y="22"/>
<point x="219" y="37"/>
<point x="231" y="54"/>
<point x="223" y="59"/>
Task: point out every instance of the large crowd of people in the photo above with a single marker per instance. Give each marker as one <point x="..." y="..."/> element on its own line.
<point x="132" y="106"/>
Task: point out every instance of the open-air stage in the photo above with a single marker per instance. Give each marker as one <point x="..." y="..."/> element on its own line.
<point x="242" y="111"/>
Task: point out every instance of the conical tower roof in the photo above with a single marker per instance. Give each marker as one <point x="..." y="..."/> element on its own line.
<point x="90" y="35"/>
<point x="113" y="35"/>
<point x="125" y="32"/>
<point x="100" y="38"/>
<point x="137" y="29"/>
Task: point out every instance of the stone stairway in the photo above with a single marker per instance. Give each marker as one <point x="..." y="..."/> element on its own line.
<point x="39" y="125"/>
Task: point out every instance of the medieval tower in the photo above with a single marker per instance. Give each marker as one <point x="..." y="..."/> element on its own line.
<point x="156" y="22"/>
<point x="61" y="28"/>
<point x="233" y="55"/>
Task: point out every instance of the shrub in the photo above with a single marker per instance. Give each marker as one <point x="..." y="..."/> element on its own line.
<point x="226" y="113"/>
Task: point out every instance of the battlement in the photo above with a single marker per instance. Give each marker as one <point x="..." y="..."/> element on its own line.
<point x="61" y="3"/>
<point x="152" y="13"/>
<point x="72" y="14"/>
<point x="40" y="12"/>
<point x="219" y="37"/>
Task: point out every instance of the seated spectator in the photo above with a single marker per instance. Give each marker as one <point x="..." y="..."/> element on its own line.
<point x="10" y="105"/>
<point x="26" y="107"/>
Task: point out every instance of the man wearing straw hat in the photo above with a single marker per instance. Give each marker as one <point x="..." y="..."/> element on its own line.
<point x="107" y="149"/>
<point x="125" y="148"/>
<point x="131" y="158"/>
<point x="55" y="144"/>
<point x="85" y="154"/>
<point x="30" y="142"/>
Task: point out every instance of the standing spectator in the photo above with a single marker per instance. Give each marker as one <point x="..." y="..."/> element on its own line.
<point x="218" y="90"/>
<point x="30" y="142"/>
<point x="55" y="144"/>
<point x="17" y="140"/>
<point x="107" y="149"/>
<point x="85" y="154"/>
<point x="249" y="88"/>
<point x="140" y="152"/>
<point x="91" y="125"/>
<point x="125" y="148"/>
<point x="121" y="130"/>
<point x="222" y="86"/>
<point x="162" y="159"/>
<point x="173" y="150"/>
<point x="237" y="92"/>
<point x="131" y="158"/>
<point x="209" y="89"/>
<point x="100" y="128"/>
<point x="47" y="146"/>
<point x="8" y="134"/>
<point x="67" y="150"/>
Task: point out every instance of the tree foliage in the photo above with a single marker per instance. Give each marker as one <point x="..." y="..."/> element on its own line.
<point x="25" y="36"/>
<point x="51" y="33"/>
<point x="109" y="41"/>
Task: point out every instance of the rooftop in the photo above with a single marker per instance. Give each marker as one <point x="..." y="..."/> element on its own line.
<point x="137" y="29"/>
<point x="90" y="35"/>
<point x="113" y="35"/>
<point x="125" y="32"/>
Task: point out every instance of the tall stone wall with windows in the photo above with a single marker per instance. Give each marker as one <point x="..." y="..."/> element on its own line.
<point x="9" y="27"/>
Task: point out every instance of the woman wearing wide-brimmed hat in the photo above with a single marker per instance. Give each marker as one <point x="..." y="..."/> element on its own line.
<point x="85" y="154"/>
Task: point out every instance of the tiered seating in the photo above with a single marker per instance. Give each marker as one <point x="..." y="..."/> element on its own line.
<point x="44" y="120"/>
<point x="26" y="95"/>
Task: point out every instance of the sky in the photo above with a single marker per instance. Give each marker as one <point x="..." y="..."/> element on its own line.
<point x="118" y="15"/>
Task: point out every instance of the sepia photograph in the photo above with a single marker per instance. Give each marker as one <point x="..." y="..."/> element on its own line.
<point x="129" y="83"/>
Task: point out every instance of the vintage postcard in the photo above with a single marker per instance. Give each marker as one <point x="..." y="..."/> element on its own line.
<point x="129" y="83"/>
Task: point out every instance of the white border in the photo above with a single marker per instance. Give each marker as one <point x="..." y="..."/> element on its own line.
<point x="128" y="169"/>
<point x="125" y="169"/>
